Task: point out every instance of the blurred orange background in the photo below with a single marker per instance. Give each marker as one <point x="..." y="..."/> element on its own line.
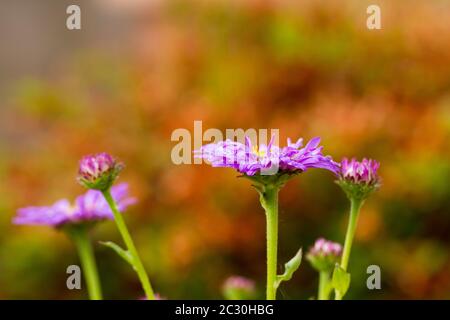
<point x="137" y="70"/>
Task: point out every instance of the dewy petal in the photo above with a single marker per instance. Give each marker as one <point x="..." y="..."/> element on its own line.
<point x="313" y="143"/>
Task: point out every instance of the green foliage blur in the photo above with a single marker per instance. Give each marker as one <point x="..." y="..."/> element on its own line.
<point x="309" y="68"/>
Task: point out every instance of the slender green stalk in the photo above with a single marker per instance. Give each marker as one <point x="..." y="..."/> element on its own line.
<point x="269" y="201"/>
<point x="80" y="237"/>
<point x="324" y="279"/>
<point x="355" y="207"/>
<point x="136" y="261"/>
<point x="351" y="228"/>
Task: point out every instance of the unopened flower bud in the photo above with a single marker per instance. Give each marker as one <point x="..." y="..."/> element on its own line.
<point x="98" y="171"/>
<point x="324" y="254"/>
<point x="359" y="179"/>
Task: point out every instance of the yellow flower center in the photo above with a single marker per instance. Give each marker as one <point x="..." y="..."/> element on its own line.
<point x="259" y="153"/>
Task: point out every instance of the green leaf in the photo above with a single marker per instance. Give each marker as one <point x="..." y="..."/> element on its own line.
<point x="125" y="255"/>
<point x="289" y="268"/>
<point x="340" y="280"/>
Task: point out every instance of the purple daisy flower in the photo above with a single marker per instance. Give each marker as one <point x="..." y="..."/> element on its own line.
<point x="268" y="167"/>
<point x="267" y="159"/>
<point x="87" y="208"/>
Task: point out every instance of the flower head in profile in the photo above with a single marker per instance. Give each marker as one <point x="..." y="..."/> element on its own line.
<point x="359" y="179"/>
<point x="324" y="254"/>
<point x="238" y="288"/>
<point x="98" y="171"/>
<point x="90" y="207"/>
<point x="267" y="159"/>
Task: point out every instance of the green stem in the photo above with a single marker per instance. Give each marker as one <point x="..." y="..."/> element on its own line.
<point x="136" y="261"/>
<point x="269" y="201"/>
<point x="80" y="237"/>
<point x="355" y="207"/>
<point x="324" y="279"/>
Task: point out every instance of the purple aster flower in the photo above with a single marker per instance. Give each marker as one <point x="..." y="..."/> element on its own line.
<point x="324" y="254"/>
<point x="359" y="179"/>
<point x="268" y="167"/>
<point x="238" y="288"/>
<point x="267" y="159"/>
<point x="87" y="208"/>
<point x="98" y="171"/>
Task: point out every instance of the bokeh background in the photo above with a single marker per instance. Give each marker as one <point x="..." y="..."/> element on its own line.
<point x="140" y="69"/>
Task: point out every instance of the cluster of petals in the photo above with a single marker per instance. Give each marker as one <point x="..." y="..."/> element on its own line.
<point x="323" y="247"/>
<point x="92" y="167"/>
<point x="360" y="172"/>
